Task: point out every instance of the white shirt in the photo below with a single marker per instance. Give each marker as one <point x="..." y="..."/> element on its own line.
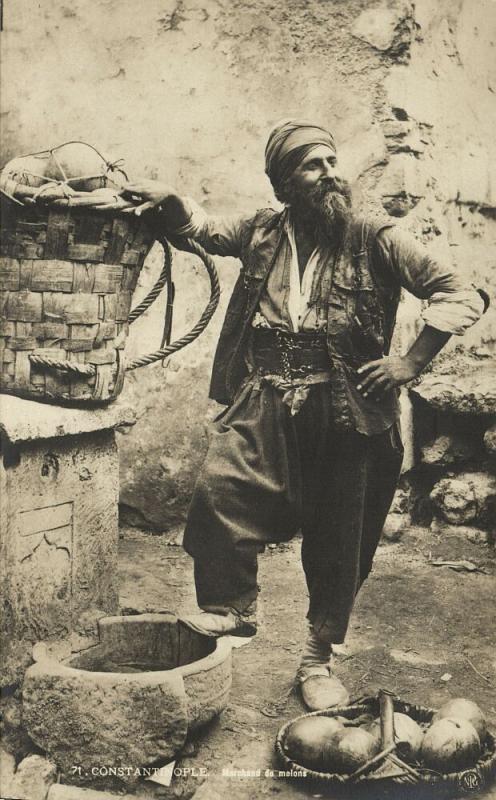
<point x="299" y="291"/>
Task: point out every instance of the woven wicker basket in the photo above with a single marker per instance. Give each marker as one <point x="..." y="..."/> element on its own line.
<point x="468" y="781"/>
<point x="67" y="276"/>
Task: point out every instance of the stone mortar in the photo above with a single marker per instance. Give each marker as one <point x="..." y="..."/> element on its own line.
<point x="109" y="706"/>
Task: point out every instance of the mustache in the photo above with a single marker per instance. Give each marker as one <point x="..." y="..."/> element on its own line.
<point x="328" y="186"/>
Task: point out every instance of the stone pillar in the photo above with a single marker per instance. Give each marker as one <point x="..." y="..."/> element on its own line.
<point x="59" y="483"/>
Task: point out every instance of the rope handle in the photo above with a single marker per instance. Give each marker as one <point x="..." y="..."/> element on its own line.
<point x="202" y="322"/>
<point x="65" y="366"/>
<point x="169" y="349"/>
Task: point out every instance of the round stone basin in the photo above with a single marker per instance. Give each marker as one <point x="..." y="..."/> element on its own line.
<point x="131" y="699"/>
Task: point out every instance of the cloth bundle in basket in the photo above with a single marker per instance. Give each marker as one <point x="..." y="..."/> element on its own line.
<point x="67" y="275"/>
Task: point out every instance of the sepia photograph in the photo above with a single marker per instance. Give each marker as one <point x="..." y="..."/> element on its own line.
<point x="247" y="399"/>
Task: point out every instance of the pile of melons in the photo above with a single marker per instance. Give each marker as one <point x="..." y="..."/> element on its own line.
<point x="76" y="164"/>
<point x="452" y="742"/>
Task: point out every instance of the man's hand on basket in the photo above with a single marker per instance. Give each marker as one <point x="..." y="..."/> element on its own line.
<point x="109" y="202"/>
<point x="155" y="196"/>
<point x="138" y="197"/>
<point x="132" y="198"/>
<point x="148" y="194"/>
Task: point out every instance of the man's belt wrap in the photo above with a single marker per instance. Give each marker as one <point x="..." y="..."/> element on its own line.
<point x="293" y="356"/>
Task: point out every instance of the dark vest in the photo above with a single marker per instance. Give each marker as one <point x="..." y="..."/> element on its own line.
<point x="362" y="304"/>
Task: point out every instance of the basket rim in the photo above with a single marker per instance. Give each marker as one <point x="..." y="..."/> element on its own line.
<point x="484" y="768"/>
<point x="61" y="204"/>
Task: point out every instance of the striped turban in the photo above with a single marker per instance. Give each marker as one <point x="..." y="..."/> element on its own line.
<point x="289" y="143"/>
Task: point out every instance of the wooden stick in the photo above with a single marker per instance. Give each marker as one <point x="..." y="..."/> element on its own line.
<point x="387" y="719"/>
<point x="400" y="763"/>
<point x="399" y="773"/>
<point x="372" y="762"/>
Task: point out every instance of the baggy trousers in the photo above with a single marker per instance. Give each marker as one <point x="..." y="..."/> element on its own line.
<point x="268" y="474"/>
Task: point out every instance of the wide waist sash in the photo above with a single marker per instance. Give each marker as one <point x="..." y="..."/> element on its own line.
<point x="293" y="356"/>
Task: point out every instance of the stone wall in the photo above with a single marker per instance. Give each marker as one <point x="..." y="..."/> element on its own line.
<point x="185" y="91"/>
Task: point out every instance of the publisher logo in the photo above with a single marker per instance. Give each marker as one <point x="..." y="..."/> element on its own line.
<point x="470" y="781"/>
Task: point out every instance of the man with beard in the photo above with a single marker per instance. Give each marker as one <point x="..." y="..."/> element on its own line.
<point x="309" y="439"/>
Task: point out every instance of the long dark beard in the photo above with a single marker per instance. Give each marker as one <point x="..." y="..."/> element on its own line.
<point x="324" y="211"/>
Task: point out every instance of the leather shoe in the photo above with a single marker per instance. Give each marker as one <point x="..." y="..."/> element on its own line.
<point x="216" y="625"/>
<point x="320" y="690"/>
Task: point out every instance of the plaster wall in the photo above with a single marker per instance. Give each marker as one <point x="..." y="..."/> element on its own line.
<point x="185" y="91"/>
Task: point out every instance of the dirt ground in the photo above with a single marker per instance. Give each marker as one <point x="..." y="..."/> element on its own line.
<point x="424" y="632"/>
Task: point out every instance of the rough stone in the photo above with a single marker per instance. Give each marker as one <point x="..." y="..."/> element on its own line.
<point x="33" y="778"/>
<point x="475" y="535"/>
<point x="7" y="763"/>
<point x="462" y="394"/>
<point x="7" y="769"/>
<point x="449" y="449"/>
<point x="455" y="500"/>
<point x="59" y="536"/>
<point x="28" y="421"/>
<point x="156" y="467"/>
<point x="129" y="701"/>
<point x="385" y="28"/>
<point x="469" y="497"/>
<point x="12" y="731"/>
<point x="395" y="526"/>
<point x="402" y="137"/>
<point x="365" y="152"/>
<point x="401" y="185"/>
<point x="450" y="59"/>
<point x="400" y="502"/>
<point x="490" y="440"/>
<point x="397" y="129"/>
<point x="470" y="184"/>
<point x="87" y="624"/>
<point x="131" y="723"/>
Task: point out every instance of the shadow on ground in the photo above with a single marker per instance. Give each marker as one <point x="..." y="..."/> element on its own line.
<point x="421" y="631"/>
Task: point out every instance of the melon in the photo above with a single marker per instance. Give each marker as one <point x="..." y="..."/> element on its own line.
<point x="374" y="728"/>
<point x="460" y="708"/>
<point x="307" y="739"/>
<point x="450" y="745"/>
<point x="78" y="160"/>
<point x="349" y="750"/>
<point x="85" y="169"/>
<point x="26" y="170"/>
<point x="408" y="737"/>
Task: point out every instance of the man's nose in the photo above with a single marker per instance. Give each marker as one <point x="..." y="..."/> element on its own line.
<point x="329" y="171"/>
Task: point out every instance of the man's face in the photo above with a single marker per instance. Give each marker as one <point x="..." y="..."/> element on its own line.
<point x="318" y="168"/>
<point x="317" y="192"/>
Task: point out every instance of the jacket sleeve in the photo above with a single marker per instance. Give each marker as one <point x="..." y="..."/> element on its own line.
<point x="453" y="304"/>
<point x="219" y="235"/>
